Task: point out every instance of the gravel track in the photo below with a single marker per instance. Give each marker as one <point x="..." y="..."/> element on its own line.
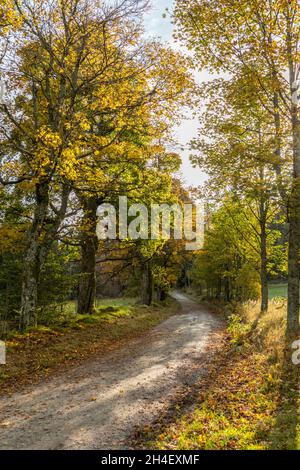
<point x="98" y="404"/>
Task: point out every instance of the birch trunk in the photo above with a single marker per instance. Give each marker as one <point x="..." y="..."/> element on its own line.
<point x="31" y="266"/>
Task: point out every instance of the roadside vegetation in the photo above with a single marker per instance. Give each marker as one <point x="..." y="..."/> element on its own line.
<point x="88" y="118"/>
<point x="43" y="350"/>
<point x="249" y="398"/>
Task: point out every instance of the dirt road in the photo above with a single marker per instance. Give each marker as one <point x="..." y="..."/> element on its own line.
<point x="98" y="404"/>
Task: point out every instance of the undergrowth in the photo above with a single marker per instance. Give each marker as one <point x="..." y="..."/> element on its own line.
<point x="250" y="398"/>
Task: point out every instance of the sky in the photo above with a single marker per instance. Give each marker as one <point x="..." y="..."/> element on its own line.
<point x="157" y="26"/>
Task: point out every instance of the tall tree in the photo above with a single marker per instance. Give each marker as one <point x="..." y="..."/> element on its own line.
<point x="263" y="37"/>
<point x="237" y="153"/>
<point x="45" y="130"/>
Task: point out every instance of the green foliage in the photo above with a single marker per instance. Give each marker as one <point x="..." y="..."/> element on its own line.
<point x="248" y="283"/>
<point x="228" y="267"/>
<point x="238" y="329"/>
<point x="10" y="285"/>
<point x="58" y="279"/>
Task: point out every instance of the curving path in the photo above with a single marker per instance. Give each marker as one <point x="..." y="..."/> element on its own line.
<point x="98" y="404"/>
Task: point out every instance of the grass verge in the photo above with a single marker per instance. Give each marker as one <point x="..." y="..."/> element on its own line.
<point x="248" y="400"/>
<point x="44" y="350"/>
<point x="278" y="290"/>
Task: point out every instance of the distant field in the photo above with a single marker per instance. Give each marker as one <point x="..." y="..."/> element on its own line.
<point x="277" y="290"/>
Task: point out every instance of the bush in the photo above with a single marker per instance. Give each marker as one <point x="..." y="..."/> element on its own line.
<point x="248" y="283"/>
<point x="238" y="329"/>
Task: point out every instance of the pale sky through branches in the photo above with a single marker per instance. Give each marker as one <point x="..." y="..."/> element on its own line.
<point x="158" y="26"/>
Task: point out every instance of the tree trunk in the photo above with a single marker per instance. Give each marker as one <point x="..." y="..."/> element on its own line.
<point x="161" y="295"/>
<point x="264" y="273"/>
<point x="31" y="263"/>
<point x="146" y="284"/>
<point x="293" y="261"/>
<point x="87" y="283"/>
<point x="28" y="315"/>
<point x="227" y="290"/>
<point x="294" y="202"/>
<point x="294" y="231"/>
<point x="89" y="246"/>
<point x="263" y="251"/>
<point x="278" y="153"/>
<point x="219" y="289"/>
<point x="41" y="236"/>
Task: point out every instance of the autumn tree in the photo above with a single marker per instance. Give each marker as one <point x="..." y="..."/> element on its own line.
<point x="9" y="17"/>
<point x="44" y="130"/>
<point x="237" y="152"/>
<point x="88" y="98"/>
<point x="146" y="99"/>
<point x="262" y="37"/>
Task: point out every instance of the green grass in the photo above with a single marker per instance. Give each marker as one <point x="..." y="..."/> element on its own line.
<point x="65" y="315"/>
<point x="278" y="291"/>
